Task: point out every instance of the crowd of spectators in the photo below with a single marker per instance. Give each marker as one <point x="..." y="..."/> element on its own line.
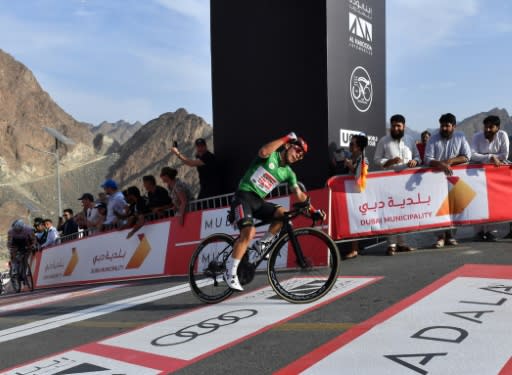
<point x="440" y="151"/>
<point x="130" y="208"/>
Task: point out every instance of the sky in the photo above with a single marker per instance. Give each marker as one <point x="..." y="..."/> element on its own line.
<point x="134" y="60"/>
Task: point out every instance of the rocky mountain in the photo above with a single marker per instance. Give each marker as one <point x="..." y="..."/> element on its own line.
<point x="25" y="108"/>
<point x="147" y="151"/>
<point x="119" y="131"/>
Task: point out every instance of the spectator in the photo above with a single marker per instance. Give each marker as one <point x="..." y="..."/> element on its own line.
<point x="425" y="136"/>
<point x="209" y="178"/>
<point x="356" y="146"/>
<point x="337" y="166"/>
<point x="444" y="150"/>
<point x="489" y="146"/>
<point x="116" y="204"/>
<point x="89" y="218"/>
<point x="102" y="216"/>
<point x="52" y="237"/>
<point x="397" y="151"/>
<point x="136" y="211"/>
<point x="102" y="198"/>
<point x="40" y="231"/>
<point x="69" y="227"/>
<point x="158" y="196"/>
<point x="20" y="237"/>
<point x="180" y="192"/>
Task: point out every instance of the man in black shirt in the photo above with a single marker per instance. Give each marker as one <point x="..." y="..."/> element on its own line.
<point x="209" y="179"/>
<point x="158" y="196"/>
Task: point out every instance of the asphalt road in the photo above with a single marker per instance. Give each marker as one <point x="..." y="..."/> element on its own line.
<point x="91" y="314"/>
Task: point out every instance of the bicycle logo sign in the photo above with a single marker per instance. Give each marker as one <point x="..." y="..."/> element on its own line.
<point x="204" y="327"/>
<point x="361" y="89"/>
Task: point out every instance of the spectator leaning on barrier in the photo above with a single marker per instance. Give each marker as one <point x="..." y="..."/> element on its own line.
<point x="180" y="192"/>
<point x="52" y="237"/>
<point x="90" y="218"/>
<point x="209" y="178"/>
<point x="445" y="149"/>
<point x="356" y="146"/>
<point x="396" y="151"/>
<point x="490" y="146"/>
<point x="138" y="208"/>
<point x="40" y="231"/>
<point x="69" y="226"/>
<point x="116" y="204"/>
<point x="102" y="216"/>
<point x="425" y="136"/>
<point x="158" y="196"/>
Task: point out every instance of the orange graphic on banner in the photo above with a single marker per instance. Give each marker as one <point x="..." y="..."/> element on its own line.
<point x="459" y="197"/>
<point x="72" y="262"/>
<point x="140" y="253"/>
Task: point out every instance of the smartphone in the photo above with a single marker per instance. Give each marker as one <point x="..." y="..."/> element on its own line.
<point x="175" y="144"/>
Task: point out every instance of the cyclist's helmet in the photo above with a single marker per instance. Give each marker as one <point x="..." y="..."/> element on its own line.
<point x="301" y="143"/>
<point x="18" y="225"/>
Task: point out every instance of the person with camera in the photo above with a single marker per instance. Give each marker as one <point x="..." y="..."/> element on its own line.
<point x="271" y="167"/>
<point x="209" y="180"/>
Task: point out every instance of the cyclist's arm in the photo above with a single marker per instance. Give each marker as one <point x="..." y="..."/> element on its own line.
<point x="301" y="196"/>
<point x="267" y="149"/>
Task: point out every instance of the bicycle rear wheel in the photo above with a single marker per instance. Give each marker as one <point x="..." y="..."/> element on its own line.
<point x="207" y="265"/>
<point x="304" y="267"/>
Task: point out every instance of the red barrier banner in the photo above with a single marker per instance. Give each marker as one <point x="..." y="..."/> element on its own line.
<point x="416" y="199"/>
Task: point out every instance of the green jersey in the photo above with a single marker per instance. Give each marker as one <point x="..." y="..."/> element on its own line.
<point x="265" y="174"/>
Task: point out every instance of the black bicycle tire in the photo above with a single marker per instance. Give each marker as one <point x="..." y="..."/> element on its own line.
<point x="336" y="258"/>
<point x="191" y="272"/>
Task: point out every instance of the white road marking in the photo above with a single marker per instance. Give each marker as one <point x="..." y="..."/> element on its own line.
<point x="80" y="315"/>
<point x="53" y="298"/>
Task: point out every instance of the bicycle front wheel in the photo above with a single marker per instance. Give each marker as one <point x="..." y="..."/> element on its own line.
<point x="304" y="267"/>
<point x="207" y="265"/>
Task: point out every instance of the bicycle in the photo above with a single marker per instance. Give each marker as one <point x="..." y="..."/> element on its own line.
<point x="20" y="272"/>
<point x="303" y="263"/>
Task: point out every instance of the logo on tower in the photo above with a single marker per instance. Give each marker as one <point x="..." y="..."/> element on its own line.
<point x="361" y="89"/>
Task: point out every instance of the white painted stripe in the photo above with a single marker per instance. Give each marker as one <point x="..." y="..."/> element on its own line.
<point x="77" y="316"/>
<point x="461" y="328"/>
<point x="200" y="331"/>
<point x="53" y="298"/>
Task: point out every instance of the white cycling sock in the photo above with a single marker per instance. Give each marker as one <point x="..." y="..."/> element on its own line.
<point x="234" y="266"/>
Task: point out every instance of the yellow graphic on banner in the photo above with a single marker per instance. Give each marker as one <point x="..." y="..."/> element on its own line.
<point x="459" y="197"/>
<point x="140" y="253"/>
<point x="72" y="262"/>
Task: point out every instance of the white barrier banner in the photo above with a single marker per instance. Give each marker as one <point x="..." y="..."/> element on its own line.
<point x="412" y="200"/>
<point x="106" y="256"/>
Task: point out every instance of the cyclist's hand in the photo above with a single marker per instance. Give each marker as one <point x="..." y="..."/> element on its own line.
<point x="290" y="137"/>
<point x="318" y="215"/>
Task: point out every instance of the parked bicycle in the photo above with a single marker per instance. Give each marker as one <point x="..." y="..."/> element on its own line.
<point x="19" y="270"/>
<point x="303" y="263"/>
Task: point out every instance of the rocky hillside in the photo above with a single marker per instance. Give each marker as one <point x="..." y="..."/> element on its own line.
<point x="119" y="131"/>
<point x="24" y="110"/>
<point x="147" y="151"/>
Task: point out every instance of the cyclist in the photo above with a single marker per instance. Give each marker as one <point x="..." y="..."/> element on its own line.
<point x="20" y="237"/>
<point x="269" y="169"/>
